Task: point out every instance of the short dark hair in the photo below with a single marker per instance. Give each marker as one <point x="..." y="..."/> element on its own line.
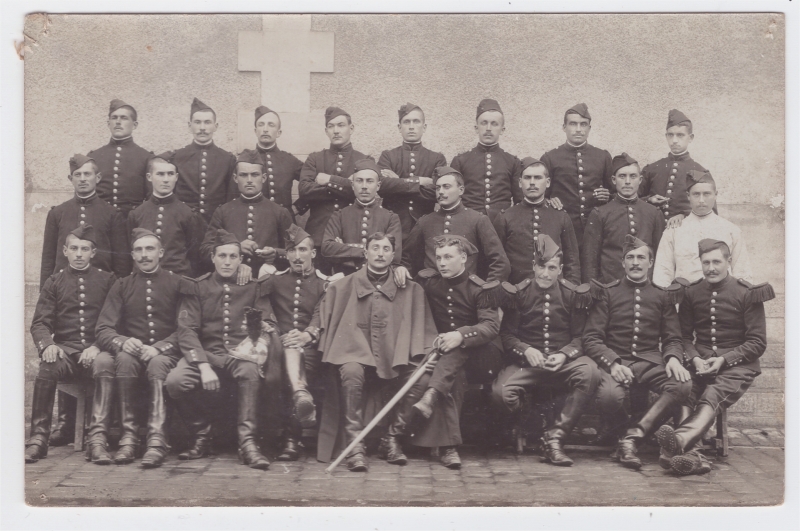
<point x="153" y="159"/>
<point x="458" y="176"/>
<point x="94" y="165"/>
<point x="134" y="114"/>
<point x="412" y="110"/>
<point x="70" y="235"/>
<point x="570" y="111"/>
<point x="722" y="246"/>
<point x="212" y="111"/>
<point x="650" y="253"/>
<point x="454" y="242"/>
<point x="377" y="236"/>
<point x="535" y="164"/>
<point x="687" y="124"/>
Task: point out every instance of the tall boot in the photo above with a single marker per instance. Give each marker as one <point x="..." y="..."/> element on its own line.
<point x="157" y="447"/>
<point x="249" y="453"/>
<point x="684" y="439"/>
<point x="304" y="409"/>
<point x="195" y="417"/>
<point x="664" y="433"/>
<point x="291" y="448"/>
<point x="129" y="442"/>
<point x="64" y="430"/>
<point x="97" y="447"/>
<point x="351" y="402"/>
<point x="576" y="403"/>
<point x="390" y="448"/>
<point x="44" y="394"/>
<point x="627" y="447"/>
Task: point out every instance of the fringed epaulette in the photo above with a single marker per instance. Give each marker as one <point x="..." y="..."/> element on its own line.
<point x="509" y="295"/>
<point x="596" y="288"/>
<point x="188" y="285"/>
<point x="582" y="296"/>
<point x="428" y="273"/>
<point x="492" y="294"/>
<point x="759" y="293"/>
<point x="674" y="291"/>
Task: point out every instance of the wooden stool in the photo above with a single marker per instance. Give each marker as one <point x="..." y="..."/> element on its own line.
<point x="80" y="390"/>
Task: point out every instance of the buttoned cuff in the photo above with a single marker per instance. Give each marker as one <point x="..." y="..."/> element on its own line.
<point x="570" y="352"/>
<point x="196" y="355"/>
<point x="690" y="352"/>
<point x="313" y="331"/>
<point x="164" y="347"/>
<point x="469" y="335"/>
<point x="117" y="343"/>
<point x="607" y="358"/>
<point x="733" y="358"/>
<point x="42" y="344"/>
<point x="519" y="349"/>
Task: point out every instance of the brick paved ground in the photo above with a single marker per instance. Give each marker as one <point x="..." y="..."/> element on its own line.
<point x="753" y="474"/>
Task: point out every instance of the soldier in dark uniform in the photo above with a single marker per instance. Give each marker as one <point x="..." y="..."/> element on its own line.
<point x="180" y="229"/>
<point x="407" y="171"/>
<point x="467" y="319"/>
<point x="491" y="176"/>
<point x="520" y="225"/>
<point x="205" y="170"/>
<point x="325" y="186"/>
<point x="258" y="223"/>
<point x="63" y="332"/>
<point x="724" y="334"/>
<point x="214" y="334"/>
<point x="580" y="173"/>
<point x="625" y="214"/>
<point x="122" y="163"/>
<point x="634" y="334"/>
<point x="541" y="334"/>
<point x="453" y="218"/>
<point x="346" y="233"/>
<point x="664" y="181"/>
<point x="138" y="325"/>
<point x="281" y="167"/>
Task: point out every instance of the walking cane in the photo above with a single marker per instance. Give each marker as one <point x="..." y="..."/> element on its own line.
<point x="432" y="356"/>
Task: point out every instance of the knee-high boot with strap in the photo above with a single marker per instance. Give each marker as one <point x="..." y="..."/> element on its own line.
<point x="64" y="430"/>
<point x="627" y="447"/>
<point x="249" y="453"/>
<point x="351" y="402"/>
<point x="157" y="447"/>
<point x="97" y="438"/>
<point x="129" y="442"/>
<point x="194" y="416"/>
<point x="552" y="442"/>
<point x="44" y="394"/>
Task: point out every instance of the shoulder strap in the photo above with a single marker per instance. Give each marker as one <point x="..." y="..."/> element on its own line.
<point x="760" y="292"/>
<point x="428" y="273"/>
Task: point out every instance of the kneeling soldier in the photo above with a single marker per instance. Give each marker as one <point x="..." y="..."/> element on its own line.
<point x="634" y="334"/>
<point x="63" y="331"/>
<point x="724" y="333"/>
<point x="541" y="334"/>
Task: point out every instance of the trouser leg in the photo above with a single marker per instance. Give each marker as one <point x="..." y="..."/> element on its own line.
<point x="672" y="394"/>
<point x="304" y="409"/>
<point x="447" y="368"/>
<point x="184" y="386"/>
<point x="582" y="378"/>
<point x="352" y="388"/>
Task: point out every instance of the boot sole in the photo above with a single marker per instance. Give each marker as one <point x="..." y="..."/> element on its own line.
<point x="29" y="460"/>
<point x="285" y="457"/>
<point x="452" y="466"/>
<point x="628" y="464"/>
<point x="306" y="413"/>
<point x="360" y="468"/>
<point x="685" y="466"/>
<point x="184" y="457"/>
<point x="667" y="441"/>
<point x="151" y="465"/>
<point x="557" y="463"/>
<point x="259" y="466"/>
<point x="102" y="461"/>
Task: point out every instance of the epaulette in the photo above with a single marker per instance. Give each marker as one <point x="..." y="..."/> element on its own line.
<point x="674" y="291"/>
<point x="759" y="293"/>
<point x="278" y="273"/>
<point x="596" y="287"/>
<point x="582" y="296"/>
<point x="510" y="288"/>
<point x="685" y="283"/>
<point x="492" y="294"/>
<point x="477" y="280"/>
<point x="428" y="273"/>
<point x="198" y="279"/>
<point x="567" y="284"/>
<point x="524" y="284"/>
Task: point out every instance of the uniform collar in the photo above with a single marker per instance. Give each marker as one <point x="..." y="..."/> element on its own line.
<point x="681" y="156"/>
<point x="79" y="272"/>
<point x="201" y="147"/>
<point x="148" y="275"/>
<point x="485" y="148"/>
<point x="570" y="147"/>
<point x="365" y="288"/>
<point x="122" y="141"/>
<point x="458" y="279"/>
<point x="86" y="200"/>
<point x="454" y="210"/>
<point x="633" y="284"/>
<point x="540" y="204"/>
<point x="375" y="203"/>
<point x="225" y="280"/>
<point x="701" y="218"/>
<point x="251" y="200"/>
<point x="162" y="200"/>
<point x="342" y="149"/>
<point x="719" y="285"/>
<point x="412" y="146"/>
<point x="619" y="199"/>
<point x="553" y="287"/>
<point x="301" y="275"/>
<point x="271" y="149"/>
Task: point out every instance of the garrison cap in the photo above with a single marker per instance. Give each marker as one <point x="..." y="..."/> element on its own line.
<point x="250" y="156"/>
<point x="334" y="112"/>
<point x="441" y="171"/>
<point x="198" y="106"/>
<point x="676" y="117"/>
<point x="544" y="249"/>
<point x="527" y="162"/>
<point x="167" y="156"/>
<point x="139" y="233"/>
<point x="407" y="108"/>
<point x="694" y="177"/>
<point x="632" y="242"/>
<point x="77" y="161"/>
<point x="488" y="105"/>
<point x="620" y="161"/>
<point x="261" y="110"/>
<point x="223" y="237"/>
<point x="366" y="164"/>
<point x="707" y="245"/>
<point x="118" y="104"/>
<point x="449" y="239"/>
<point x="85" y="232"/>
<point x="294" y="235"/>
<point x="581" y="109"/>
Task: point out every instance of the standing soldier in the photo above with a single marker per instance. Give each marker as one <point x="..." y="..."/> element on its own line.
<point x="724" y="334"/>
<point x="281" y="167"/>
<point x="213" y="332"/>
<point x="257" y="222"/>
<point x="634" y="334"/>
<point x="625" y="214"/>
<point x="205" y="170"/>
<point x="180" y="229"/>
<point x="580" y="173"/>
<point x="407" y="171"/>
<point x="346" y="233"/>
<point x="325" y="185"/>
<point x="519" y="226"/>
<point x="664" y="181"/>
<point x="491" y="176"/>
<point x="138" y="324"/>
<point x="63" y="332"/>
<point x="121" y="162"/>
<point x="455" y="219"/>
<point x="541" y="335"/>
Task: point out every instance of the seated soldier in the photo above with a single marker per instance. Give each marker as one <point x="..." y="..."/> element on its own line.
<point x="541" y="334"/>
<point x="633" y="333"/>
<point x="724" y="333"/>
<point x="63" y="332"/>
<point x="370" y="326"/>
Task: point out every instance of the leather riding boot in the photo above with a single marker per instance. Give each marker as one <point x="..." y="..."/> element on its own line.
<point x="351" y="401"/>
<point x="576" y="403"/>
<point x="554" y="452"/>
<point x="428" y="401"/>
<point x="450" y="457"/>
<point x="157" y="447"/>
<point x="652" y="419"/>
<point x="686" y="436"/>
<point x="626" y="453"/>
<point x="97" y="445"/>
<point x="194" y="417"/>
<point x="44" y="394"/>
<point x="291" y="447"/>
<point x="129" y="442"/>
<point x="249" y="453"/>
<point x="64" y="430"/>
<point x="390" y="448"/>
<point x="690" y="463"/>
<point x="304" y="409"/>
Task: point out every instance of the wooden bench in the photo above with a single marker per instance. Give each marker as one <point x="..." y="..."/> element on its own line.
<point x="82" y="391"/>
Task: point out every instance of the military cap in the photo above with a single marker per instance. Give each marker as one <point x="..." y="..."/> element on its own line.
<point x="366" y="164"/>
<point x="527" y="162"/>
<point x="694" y="177"/>
<point x="632" y="242"/>
<point x="166" y="156"/>
<point x="544" y="249"/>
<point x="261" y="110"/>
<point x="295" y="235"/>
<point x="407" y="108"/>
<point x="676" y="117"/>
<point x="707" y="245"/>
<point x="139" y="233"/>
<point x="118" y="104"/>
<point x="77" y="161"/>
<point x="334" y="112"/>
<point x="85" y="232"/>
<point x="620" y="161"/>
<point x="581" y="109"/>
<point x="223" y="237"/>
<point x="441" y="171"/>
<point x="445" y="239"/>
<point x="249" y="156"/>
<point x="488" y="105"/>
<point x="198" y="106"/>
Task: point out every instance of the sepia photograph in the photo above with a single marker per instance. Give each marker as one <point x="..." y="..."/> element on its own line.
<point x="404" y="260"/>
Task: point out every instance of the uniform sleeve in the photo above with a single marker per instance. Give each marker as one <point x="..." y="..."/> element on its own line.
<point x="501" y="228"/>
<point x="512" y="346"/>
<point x="414" y="249"/>
<point x="44" y="317"/>
<point x="740" y="260"/>
<point x="671" y="337"/>
<point x="492" y="250"/>
<point x="207" y="246"/>
<point x="594" y="334"/>
<point x="195" y="230"/>
<point x="486" y="329"/>
<point x="755" y="335"/>
<point x="664" y="268"/>
<point x="644" y="186"/>
<point x="607" y="182"/>
<point x="106" y="332"/>
<point x="308" y="189"/>
<point x="284" y="222"/>
<point x="658" y="228"/>
<point x="391" y="186"/>
<point x="577" y="322"/>
<point x="121" y="261"/>
<point x="545" y="159"/>
<point x="264" y="303"/>
<point x="49" y="248"/>
<point x="428" y="191"/>
<point x="336" y="250"/>
<point x="516" y="173"/>
<point x="686" y="319"/>
<point x="396" y="230"/>
<point x="592" y="244"/>
<point x="456" y="164"/>
<point x="170" y="343"/>
<point x="231" y="188"/>
<point x="572" y="254"/>
<point x="190" y="318"/>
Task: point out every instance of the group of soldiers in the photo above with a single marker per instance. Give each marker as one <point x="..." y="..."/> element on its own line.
<point x="186" y="272"/>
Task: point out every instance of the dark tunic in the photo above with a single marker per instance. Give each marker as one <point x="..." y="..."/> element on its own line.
<point x="294" y="297"/>
<point x="667" y="178"/>
<point x="337" y="194"/>
<point x="575" y="172"/>
<point x="205" y="177"/>
<point x="491" y="178"/>
<point x="69" y="305"/>
<point x="405" y="196"/>
<point x="113" y="253"/>
<point x="491" y="260"/>
<point x="181" y="230"/>
<point x="123" y="167"/>
<point x="282" y="169"/>
<point x="601" y="254"/>
<point x="519" y="225"/>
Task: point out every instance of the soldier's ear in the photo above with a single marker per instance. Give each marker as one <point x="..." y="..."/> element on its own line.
<point x="313" y="253"/>
<point x="99" y="176"/>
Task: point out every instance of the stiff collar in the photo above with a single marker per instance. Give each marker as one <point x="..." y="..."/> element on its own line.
<point x="151" y="274"/>
<point x="122" y="141"/>
<point x="198" y="145"/>
<point x="412" y="146"/>
<point x="458" y="279"/>
<point x="619" y="199"/>
<point x="719" y="285"/>
<point x="679" y="156"/>
<point x="452" y="210"/>
<point x="486" y="148"/>
<point x="225" y="280"/>
<point x="79" y="272"/>
<point x="342" y="149"/>
<point x="301" y="275"/>
<point x="570" y="147"/>
<point x="540" y="204"/>
<point x="705" y="217"/>
<point x="627" y="281"/>
<point x="365" y="288"/>
<point x="375" y="203"/>
<point x="163" y="200"/>
<point x="251" y="200"/>
<point x="272" y="149"/>
<point x="88" y="200"/>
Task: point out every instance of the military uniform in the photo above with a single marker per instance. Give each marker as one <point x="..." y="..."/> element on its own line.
<point x="282" y="169"/>
<point x="123" y="166"/>
<point x="667" y="177"/>
<point x="491" y="179"/>
<point x="205" y="177"/>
